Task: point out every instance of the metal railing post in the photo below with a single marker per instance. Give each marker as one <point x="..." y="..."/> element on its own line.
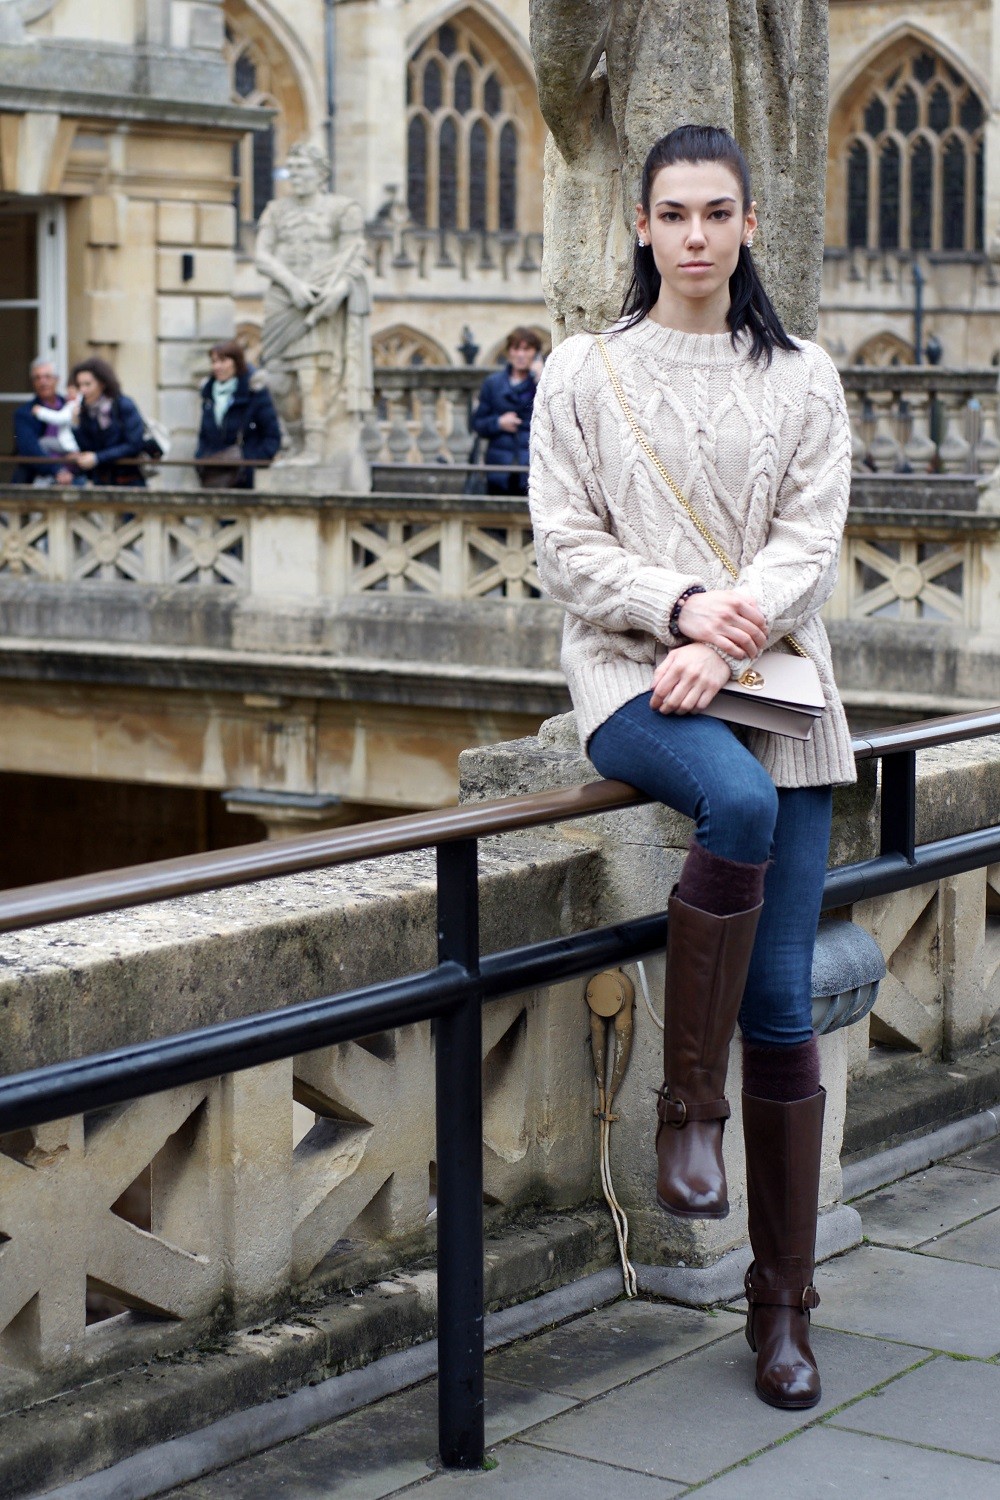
<point x="899" y="804"/>
<point x="458" y="1077"/>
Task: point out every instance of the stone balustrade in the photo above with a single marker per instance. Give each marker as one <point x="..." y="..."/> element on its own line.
<point x="482" y="259"/>
<point x="923" y="419"/>
<point x="461" y="548"/>
<point x="905" y="420"/>
<point x="918" y="547"/>
<point x="154" y="1226"/>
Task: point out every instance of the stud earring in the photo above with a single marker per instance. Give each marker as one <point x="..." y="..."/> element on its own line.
<point x="641" y="242"/>
<point x="749" y="242"/>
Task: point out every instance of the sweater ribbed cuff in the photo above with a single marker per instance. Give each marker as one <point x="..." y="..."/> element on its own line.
<point x="653" y="594"/>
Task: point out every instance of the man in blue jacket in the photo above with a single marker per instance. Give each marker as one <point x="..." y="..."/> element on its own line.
<point x="33" y="438"/>
<point x="504" y="411"/>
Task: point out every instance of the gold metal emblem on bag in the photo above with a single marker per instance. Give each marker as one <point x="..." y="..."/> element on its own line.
<point x="752" y="679"/>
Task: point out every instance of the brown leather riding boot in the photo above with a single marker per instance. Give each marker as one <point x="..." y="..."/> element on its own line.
<point x="784" y="1145"/>
<point x="707" y="962"/>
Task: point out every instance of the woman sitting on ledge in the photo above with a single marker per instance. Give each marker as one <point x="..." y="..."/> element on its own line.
<point x="699" y="404"/>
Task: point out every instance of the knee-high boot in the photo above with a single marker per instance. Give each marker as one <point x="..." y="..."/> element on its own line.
<point x="784" y="1146"/>
<point x="707" y="961"/>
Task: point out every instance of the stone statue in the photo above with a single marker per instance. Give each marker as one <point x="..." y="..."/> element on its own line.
<point x="615" y="75"/>
<point x="315" y="342"/>
<point x="15" y="15"/>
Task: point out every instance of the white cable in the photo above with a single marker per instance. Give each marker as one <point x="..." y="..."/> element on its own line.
<point x="645" y="993"/>
<point x="618" y="1216"/>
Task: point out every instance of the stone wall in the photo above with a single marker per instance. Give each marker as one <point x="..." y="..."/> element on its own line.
<point x="219" y="1203"/>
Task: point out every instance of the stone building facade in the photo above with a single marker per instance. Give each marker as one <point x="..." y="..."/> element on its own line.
<point x="139" y="143"/>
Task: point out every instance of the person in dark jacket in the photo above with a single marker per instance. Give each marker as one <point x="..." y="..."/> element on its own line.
<point x="503" y="415"/>
<point x="237" y="409"/>
<point x="34" y="437"/>
<point x="110" y="426"/>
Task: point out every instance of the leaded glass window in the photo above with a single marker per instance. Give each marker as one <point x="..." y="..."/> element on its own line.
<point x="416" y="173"/>
<point x="857" y="195"/>
<point x="464" y="138"/>
<point x="914" y="177"/>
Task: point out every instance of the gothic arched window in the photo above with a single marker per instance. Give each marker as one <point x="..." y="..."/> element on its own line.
<point x="467" y="126"/>
<point x="261" y="74"/>
<point x="913" y="157"/>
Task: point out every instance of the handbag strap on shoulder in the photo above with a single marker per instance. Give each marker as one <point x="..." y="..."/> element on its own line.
<point x="672" y="484"/>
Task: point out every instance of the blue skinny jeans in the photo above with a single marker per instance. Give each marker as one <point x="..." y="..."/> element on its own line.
<point x="698" y="766"/>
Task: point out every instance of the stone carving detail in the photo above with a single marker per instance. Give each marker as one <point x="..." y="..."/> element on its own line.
<point x="206" y="549"/>
<point x="501" y="561"/>
<point x="398" y="557"/>
<point x="908" y="580"/>
<point x="24" y="543"/>
<point x="315" y="341"/>
<point x="108" y="545"/>
<point x="158" y="1215"/>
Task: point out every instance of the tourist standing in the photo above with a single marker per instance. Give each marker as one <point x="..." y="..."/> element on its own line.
<point x="503" y="415"/>
<point x="38" y="431"/>
<point x="238" y="418"/>
<point x="110" y="426"/>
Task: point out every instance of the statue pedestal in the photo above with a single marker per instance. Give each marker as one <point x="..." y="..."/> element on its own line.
<point x="339" y="465"/>
<point x="301" y="475"/>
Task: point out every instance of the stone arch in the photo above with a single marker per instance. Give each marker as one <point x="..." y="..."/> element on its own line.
<point x="907" y="152"/>
<point x="883" y="349"/>
<point x="265" y="72"/>
<point x="474" y="130"/>
<point x="402" y="345"/>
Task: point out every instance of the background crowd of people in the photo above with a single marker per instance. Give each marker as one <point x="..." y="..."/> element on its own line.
<point x="93" y="433"/>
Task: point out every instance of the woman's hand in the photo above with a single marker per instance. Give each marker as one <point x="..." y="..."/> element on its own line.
<point x="727" y="618"/>
<point x="85" y="460"/>
<point x="688" y="679"/>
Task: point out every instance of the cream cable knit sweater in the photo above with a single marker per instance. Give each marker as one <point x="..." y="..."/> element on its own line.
<point x="764" y="456"/>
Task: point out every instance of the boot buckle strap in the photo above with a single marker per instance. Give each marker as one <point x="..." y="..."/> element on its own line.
<point x="805" y="1300"/>
<point x="677" y="1112"/>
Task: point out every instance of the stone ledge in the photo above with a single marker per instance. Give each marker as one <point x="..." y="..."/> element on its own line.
<point x="901" y="1101"/>
<point x="101" y="1423"/>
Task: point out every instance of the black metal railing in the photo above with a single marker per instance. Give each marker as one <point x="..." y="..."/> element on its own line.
<point x="451" y="995"/>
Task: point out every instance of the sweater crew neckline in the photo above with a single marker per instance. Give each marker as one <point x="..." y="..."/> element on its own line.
<point x="686" y="348"/>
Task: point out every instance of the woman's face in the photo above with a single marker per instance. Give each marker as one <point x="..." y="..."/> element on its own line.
<point x="695" y="225"/>
<point x="89" y="386"/>
<point x="222" y="368"/>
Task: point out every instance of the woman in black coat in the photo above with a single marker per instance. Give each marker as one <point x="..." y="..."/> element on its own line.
<point x="109" y="427"/>
<point x="237" y="411"/>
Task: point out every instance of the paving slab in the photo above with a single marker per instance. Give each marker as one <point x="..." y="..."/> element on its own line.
<point x="826" y="1462"/>
<point x="927" y="1204"/>
<point x="915" y="1299"/>
<point x="525" y="1472"/>
<point x="608" y="1347"/>
<point x="949" y="1404"/>
<point x="978" y="1242"/>
<point x="984" y="1158"/>
<point x="699" y="1414"/>
<point x="373" y="1452"/>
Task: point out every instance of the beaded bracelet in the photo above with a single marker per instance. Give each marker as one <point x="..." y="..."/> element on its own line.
<point x="673" y="624"/>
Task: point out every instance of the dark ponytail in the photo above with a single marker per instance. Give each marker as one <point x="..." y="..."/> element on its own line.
<point x="750" y="311"/>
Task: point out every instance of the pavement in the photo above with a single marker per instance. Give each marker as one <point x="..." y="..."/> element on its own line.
<point x="646" y="1400"/>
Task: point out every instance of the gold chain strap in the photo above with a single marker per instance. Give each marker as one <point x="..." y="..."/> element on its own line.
<point x="671" y="484"/>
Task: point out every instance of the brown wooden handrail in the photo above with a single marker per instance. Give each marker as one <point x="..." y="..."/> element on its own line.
<point x="135" y="885"/>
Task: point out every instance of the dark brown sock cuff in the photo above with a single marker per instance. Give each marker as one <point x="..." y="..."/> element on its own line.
<point x="720" y="886"/>
<point x="782" y="1074"/>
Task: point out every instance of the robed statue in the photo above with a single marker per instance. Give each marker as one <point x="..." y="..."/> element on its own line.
<point x="315" y="342"/>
